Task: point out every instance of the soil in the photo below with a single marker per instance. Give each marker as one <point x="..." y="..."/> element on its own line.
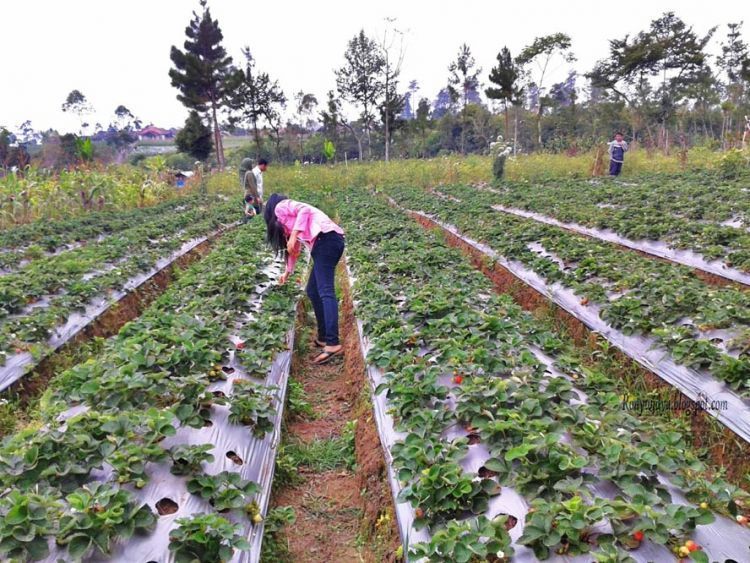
<point x="725" y="448"/>
<point x="337" y="510"/>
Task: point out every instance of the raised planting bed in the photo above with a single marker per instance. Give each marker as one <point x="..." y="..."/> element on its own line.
<point x="25" y="243"/>
<point x="703" y="327"/>
<point x="163" y="443"/>
<point x="503" y="444"/>
<point x="699" y="212"/>
<point x="34" y="330"/>
<point x="656" y="248"/>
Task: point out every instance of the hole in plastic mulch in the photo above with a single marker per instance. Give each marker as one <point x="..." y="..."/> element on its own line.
<point x="227" y="369"/>
<point x="219" y="394"/>
<point x="207" y="424"/>
<point x="485" y="473"/>
<point x="473" y="438"/>
<point x="166" y="506"/>
<point x="234" y="457"/>
<point x="511" y="523"/>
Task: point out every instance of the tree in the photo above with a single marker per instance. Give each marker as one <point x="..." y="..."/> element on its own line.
<point x="669" y="53"/>
<point x="506" y="76"/>
<point x="443" y="104"/>
<point x="305" y="105"/>
<point x="125" y="118"/>
<point x="257" y="98"/>
<point x="542" y="51"/>
<point x="359" y="80"/>
<point x="734" y="61"/>
<point x="195" y="137"/>
<point x="392" y="52"/>
<point x="77" y="103"/>
<point x="422" y="120"/>
<point x="331" y="118"/>
<point x="410" y="100"/>
<point x="462" y="80"/>
<point x="203" y="72"/>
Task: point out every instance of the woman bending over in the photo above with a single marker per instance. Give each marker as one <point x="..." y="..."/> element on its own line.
<point x="289" y="223"/>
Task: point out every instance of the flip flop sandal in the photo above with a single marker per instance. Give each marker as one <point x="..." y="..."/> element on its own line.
<point x="328" y="356"/>
<point x="319" y="343"/>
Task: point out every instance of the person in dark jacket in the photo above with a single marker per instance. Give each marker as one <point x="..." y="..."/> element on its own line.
<point x="617" y="150"/>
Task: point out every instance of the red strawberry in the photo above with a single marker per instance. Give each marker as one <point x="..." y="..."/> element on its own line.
<point x="240" y="345"/>
<point x="638" y="535"/>
<point x="458" y="380"/>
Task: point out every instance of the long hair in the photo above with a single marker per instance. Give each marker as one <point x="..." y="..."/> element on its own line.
<point x="275" y="236"/>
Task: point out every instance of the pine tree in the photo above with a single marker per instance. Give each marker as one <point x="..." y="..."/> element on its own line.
<point x="506" y="77"/>
<point x="203" y="72"/>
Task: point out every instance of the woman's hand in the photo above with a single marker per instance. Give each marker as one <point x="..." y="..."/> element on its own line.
<point x="283" y="278"/>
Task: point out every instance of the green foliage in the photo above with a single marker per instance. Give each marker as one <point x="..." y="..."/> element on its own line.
<point x="205" y="537"/>
<point x="479" y="539"/>
<point x="274" y="549"/>
<point x="324" y="454"/>
<point x="25" y="522"/>
<point x="734" y="164"/>
<point x="100" y="514"/>
<point x="297" y="404"/>
<point x="329" y="150"/>
<point x="224" y="491"/>
<point x="187" y="460"/>
<point x="252" y="405"/>
<point x="195" y="138"/>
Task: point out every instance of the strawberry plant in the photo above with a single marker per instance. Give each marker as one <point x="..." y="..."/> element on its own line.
<point x="443" y="490"/>
<point x="205" y="537"/>
<point x="478" y="539"/>
<point x="99" y="514"/>
<point x="415" y="453"/>
<point x="565" y="527"/>
<point x="25" y="522"/>
<point x="187" y="460"/>
<point x="224" y="491"/>
<point x="253" y="406"/>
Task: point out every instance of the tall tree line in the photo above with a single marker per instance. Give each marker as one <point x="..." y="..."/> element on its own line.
<point x="660" y="86"/>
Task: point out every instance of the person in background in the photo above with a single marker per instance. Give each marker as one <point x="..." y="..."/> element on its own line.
<point x="617" y="149"/>
<point x="252" y="181"/>
<point x="291" y="223"/>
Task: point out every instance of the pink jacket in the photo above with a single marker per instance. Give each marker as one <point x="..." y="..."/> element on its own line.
<point x="308" y="220"/>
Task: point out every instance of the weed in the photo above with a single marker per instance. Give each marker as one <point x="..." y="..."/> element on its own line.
<point x="297" y="406"/>
<point x="275" y="548"/>
<point x="326" y="454"/>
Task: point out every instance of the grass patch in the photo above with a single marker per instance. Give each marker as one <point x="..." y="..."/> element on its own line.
<point x="324" y="455"/>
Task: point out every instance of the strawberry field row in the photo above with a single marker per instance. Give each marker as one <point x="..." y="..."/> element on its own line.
<point x="704" y="327"/>
<point x="178" y="414"/>
<point x="46" y="293"/>
<point x="27" y="242"/>
<point x="699" y="212"/>
<point x="505" y="444"/>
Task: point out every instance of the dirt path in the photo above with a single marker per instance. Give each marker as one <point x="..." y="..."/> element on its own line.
<point x="330" y="469"/>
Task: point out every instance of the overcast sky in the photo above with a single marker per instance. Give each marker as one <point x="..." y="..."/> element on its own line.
<point x="118" y="52"/>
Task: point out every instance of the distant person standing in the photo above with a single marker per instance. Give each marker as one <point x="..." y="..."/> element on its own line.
<point x="617" y="150"/>
<point x="252" y="181"/>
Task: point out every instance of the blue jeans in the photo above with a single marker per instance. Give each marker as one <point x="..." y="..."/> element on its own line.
<point x="615" y="168"/>
<point x="321" y="290"/>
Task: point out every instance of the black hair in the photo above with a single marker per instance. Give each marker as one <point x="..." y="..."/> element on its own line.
<point x="262" y="161"/>
<point x="275" y="236"/>
<point x="619" y="133"/>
